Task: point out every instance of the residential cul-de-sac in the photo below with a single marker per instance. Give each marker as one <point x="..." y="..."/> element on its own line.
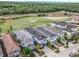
<point x="64" y="52"/>
<point x="39" y="29"/>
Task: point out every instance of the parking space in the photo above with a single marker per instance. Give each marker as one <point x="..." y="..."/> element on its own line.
<point x="48" y="52"/>
<point x="64" y="52"/>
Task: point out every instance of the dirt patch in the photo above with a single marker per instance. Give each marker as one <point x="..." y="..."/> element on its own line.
<point x="58" y="18"/>
<point x="61" y="13"/>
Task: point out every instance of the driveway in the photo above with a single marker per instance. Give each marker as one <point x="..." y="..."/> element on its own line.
<point x="48" y="52"/>
<point x="64" y="52"/>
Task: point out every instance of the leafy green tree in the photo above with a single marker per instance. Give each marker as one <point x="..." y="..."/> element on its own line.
<point x="27" y="52"/>
<point x="34" y="7"/>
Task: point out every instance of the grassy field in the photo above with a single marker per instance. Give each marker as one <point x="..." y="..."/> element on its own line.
<point x="24" y="22"/>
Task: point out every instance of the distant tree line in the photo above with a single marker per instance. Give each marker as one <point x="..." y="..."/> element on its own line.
<point x="36" y="7"/>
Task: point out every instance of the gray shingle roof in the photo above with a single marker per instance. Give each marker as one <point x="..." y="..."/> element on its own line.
<point x="35" y="33"/>
<point x="71" y="26"/>
<point x="38" y="37"/>
<point x="47" y="33"/>
<point x="53" y="29"/>
<point x="24" y="37"/>
<point x="60" y="23"/>
<point x="68" y="30"/>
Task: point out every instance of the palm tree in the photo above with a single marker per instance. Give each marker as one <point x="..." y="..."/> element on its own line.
<point x="59" y="40"/>
<point x="67" y="44"/>
<point x="76" y="38"/>
<point x="0" y="31"/>
<point x="39" y="50"/>
<point x="65" y="13"/>
<point x="11" y="28"/>
<point x="72" y="38"/>
<point x="3" y="20"/>
<point x="65" y="36"/>
<point x="8" y="30"/>
<point x="48" y="24"/>
<point x="57" y="50"/>
<point x="48" y="43"/>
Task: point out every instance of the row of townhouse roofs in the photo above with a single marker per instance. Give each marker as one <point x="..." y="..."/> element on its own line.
<point x="28" y="37"/>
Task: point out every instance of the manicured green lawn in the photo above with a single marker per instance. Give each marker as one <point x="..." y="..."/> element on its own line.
<point x="24" y="22"/>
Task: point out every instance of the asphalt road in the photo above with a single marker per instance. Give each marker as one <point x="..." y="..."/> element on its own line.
<point x="64" y="52"/>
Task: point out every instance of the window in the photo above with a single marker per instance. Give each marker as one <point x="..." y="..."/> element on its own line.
<point x="16" y="51"/>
